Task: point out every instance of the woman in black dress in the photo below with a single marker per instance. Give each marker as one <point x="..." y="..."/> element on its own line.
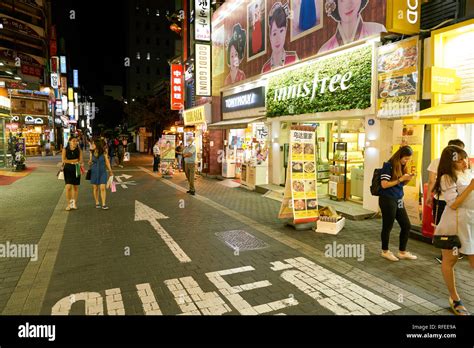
<point x="72" y="157"/>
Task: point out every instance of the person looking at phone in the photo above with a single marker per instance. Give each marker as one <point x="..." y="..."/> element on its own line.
<point x="437" y="201"/>
<point x="394" y="176"/>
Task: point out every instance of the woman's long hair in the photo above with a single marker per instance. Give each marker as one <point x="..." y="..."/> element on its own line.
<point x="69" y="141"/>
<point x="449" y="156"/>
<point x="99" y="148"/>
<point x="397" y="169"/>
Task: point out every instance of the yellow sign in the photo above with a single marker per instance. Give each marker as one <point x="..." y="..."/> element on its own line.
<point x="403" y="16"/>
<point x="70" y="94"/>
<point x="197" y="115"/>
<point x="441" y="80"/>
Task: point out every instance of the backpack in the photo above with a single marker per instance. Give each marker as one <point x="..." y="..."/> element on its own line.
<point x="376" y="186"/>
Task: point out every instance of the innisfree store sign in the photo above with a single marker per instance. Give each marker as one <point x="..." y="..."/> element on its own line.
<point x="337" y="83"/>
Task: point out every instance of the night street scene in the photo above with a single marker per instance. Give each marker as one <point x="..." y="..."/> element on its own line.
<point x="222" y="164"/>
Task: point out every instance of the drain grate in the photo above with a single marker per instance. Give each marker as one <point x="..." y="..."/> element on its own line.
<point x="241" y="240"/>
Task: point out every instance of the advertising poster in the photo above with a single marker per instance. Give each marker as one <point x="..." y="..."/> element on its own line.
<point x="168" y="145"/>
<point x="412" y="135"/>
<point x="257" y="29"/>
<point x="218" y="51"/>
<point x="303" y="174"/>
<point x="397" y="66"/>
<point x="263" y="35"/>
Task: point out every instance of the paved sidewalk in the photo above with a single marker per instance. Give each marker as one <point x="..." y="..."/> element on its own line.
<point x="116" y="262"/>
<point x="421" y="277"/>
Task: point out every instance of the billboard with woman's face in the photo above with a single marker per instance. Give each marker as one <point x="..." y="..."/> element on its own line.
<point x="263" y="35"/>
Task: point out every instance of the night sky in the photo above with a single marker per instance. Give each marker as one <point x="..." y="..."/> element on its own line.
<point x="96" y="40"/>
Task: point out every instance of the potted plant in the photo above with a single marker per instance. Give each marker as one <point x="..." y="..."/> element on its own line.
<point x="43" y="148"/>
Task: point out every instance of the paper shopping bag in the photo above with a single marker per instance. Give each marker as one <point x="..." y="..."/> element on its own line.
<point x="110" y="181"/>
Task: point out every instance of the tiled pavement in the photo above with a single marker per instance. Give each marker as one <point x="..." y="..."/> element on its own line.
<point x="105" y="262"/>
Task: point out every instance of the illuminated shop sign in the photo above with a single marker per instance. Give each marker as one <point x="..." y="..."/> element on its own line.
<point x="253" y="98"/>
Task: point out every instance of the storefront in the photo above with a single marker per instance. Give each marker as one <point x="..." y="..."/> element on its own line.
<point x="30" y="119"/>
<point x="449" y="84"/>
<point x="4" y="116"/>
<point x="246" y="141"/>
<point x="335" y="94"/>
<point x="196" y="121"/>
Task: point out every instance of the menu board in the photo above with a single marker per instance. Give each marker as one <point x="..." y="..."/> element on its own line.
<point x="303" y="177"/>
<point x="398" y="78"/>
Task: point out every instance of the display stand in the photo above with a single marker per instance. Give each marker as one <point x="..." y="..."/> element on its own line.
<point x="339" y="190"/>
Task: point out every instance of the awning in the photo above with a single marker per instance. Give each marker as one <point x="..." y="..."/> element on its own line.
<point x="444" y="113"/>
<point x="241" y="123"/>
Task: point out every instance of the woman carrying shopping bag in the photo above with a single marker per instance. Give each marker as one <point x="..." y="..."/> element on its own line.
<point x="99" y="163"/>
<point x="455" y="231"/>
<point x="72" y="162"/>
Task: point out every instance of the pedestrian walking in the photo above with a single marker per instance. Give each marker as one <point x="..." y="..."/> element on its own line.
<point x="99" y="163"/>
<point x="72" y="161"/>
<point x="111" y="151"/>
<point x="120" y="153"/>
<point x="189" y="154"/>
<point x="179" y="155"/>
<point x="456" y="183"/>
<point x="156" y="156"/>
<point x="394" y="176"/>
<point x="437" y="202"/>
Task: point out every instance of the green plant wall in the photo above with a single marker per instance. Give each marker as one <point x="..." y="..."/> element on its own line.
<point x="358" y="96"/>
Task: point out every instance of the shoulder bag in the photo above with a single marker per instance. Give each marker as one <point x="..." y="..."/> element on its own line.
<point x="447" y="242"/>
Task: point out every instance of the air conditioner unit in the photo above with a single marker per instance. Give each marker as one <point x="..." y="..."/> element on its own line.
<point x="435" y="12"/>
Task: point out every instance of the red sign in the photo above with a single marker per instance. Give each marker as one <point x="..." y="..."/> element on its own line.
<point x="54" y="64"/>
<point x="177" y="87"/>
<point x="53" y="45"/>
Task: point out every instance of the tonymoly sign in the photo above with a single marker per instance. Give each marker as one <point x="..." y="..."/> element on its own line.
<point x="250" y="99"/>
<point x="334" y="83"/>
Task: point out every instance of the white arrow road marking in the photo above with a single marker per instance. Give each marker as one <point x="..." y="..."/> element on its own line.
<point x="124" y="183"/>
<point x="145" y="213"/>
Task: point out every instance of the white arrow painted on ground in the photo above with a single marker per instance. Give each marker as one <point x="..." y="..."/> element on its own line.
<point x="145" y="213"/>
<point x="124" y="183"/>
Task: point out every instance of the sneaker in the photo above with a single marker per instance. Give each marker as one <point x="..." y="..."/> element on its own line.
<point x="407" y="256"/>
<point x="98" y="206"/>
<point x="104" y="207"/>
<point x="389" y="256"/>
<point x="74" y="206"/>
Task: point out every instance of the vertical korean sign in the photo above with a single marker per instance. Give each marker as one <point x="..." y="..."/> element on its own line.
<point x="303" y="177"/>
<point x="177" y="90"/>
<point x="203" y="70"/>
<point x="202" y="24"/>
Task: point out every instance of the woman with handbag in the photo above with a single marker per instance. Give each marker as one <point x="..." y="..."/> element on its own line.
<point x="455" y="231"/>
<point x="99" y="163"/>
<point x="72" y="162"/>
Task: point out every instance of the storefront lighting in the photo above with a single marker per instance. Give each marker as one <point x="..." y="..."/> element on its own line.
<point x="17" y="78"/>
<point x="148" y="56"/>
<point x="9" y="72"/>
<point x="1" y="64"/>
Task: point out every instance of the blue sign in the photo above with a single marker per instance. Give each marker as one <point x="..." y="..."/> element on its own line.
<point x="63" y="64"/>
<point x="76" y="78"/>
<point x="371" y="122"/>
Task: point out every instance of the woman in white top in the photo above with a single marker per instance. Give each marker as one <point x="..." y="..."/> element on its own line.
<point x="456" y="182"/>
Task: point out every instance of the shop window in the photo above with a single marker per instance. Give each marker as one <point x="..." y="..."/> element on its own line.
<point x="138" y="40"/>
<point x="137" y="24"/>
<point x="139" y="87"/>
<point x="137" y="69"/>
<point x="147" y="40"/>
<point x="147" y="26"/>
<point x="148" y="70"/>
